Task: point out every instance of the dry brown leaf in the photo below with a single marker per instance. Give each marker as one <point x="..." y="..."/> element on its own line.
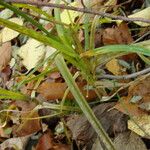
<point x="27" y="125"/>
<point x="141" y="89"/>
<point x="46" y="142"/>
<point x="128" y="108"/>
<point x="52" y="91"/>
<point x="5" y="54"/>
<point x="117" y="35"/>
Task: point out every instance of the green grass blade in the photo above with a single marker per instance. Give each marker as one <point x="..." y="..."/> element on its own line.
<point x="82" y="102"/>
<point x="63" y="35"/>
<point x="25" y="16"/>
<point x="117" y="48"/>
<point x="38" y="36"/>
<point x="35" y="9"/>
<point x="6" y="94"/>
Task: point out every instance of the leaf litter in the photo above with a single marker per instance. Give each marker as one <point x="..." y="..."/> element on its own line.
<point x="125" y="118"/>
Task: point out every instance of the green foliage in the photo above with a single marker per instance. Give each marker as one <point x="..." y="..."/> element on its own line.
<point x="70" y="49"/>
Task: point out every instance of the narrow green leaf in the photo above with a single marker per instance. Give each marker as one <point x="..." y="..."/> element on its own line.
<point x="25" y="16"/>
<point x="82" y="102"/>
<point x="6" y="94"/>
<point x="35" y="9"/>
<point x="116" y="48"/>
<point x="38" y="36"/>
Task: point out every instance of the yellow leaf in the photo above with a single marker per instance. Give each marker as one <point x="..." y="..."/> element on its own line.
<point x="68" y="16"/>
<point x="145" y="14"/>
<point x="32" y="53"/>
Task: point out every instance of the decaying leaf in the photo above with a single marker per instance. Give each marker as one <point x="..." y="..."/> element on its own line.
<point x="129" y="141"/>
<point x="5" y="54"/>
<point x="32" y="53"/>
<point x="140" y="125"/>
<point x="9" y="34"/>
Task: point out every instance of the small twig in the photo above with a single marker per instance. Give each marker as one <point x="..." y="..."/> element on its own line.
<point x="125" y="77"/>
<point x="84" y="10"/>
<point x="140" y="38"/>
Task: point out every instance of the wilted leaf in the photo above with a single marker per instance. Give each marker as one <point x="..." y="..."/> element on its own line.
<point x="140" y="125"/>
<point x="32" y="53"/>
<point x="145" y="14"/>
<point x="9" y="34"/>
<point x="129" y="141"/>
<point x="5" y="54"/>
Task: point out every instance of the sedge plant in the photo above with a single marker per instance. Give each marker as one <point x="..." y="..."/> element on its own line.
<point x="69" y="50"/>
